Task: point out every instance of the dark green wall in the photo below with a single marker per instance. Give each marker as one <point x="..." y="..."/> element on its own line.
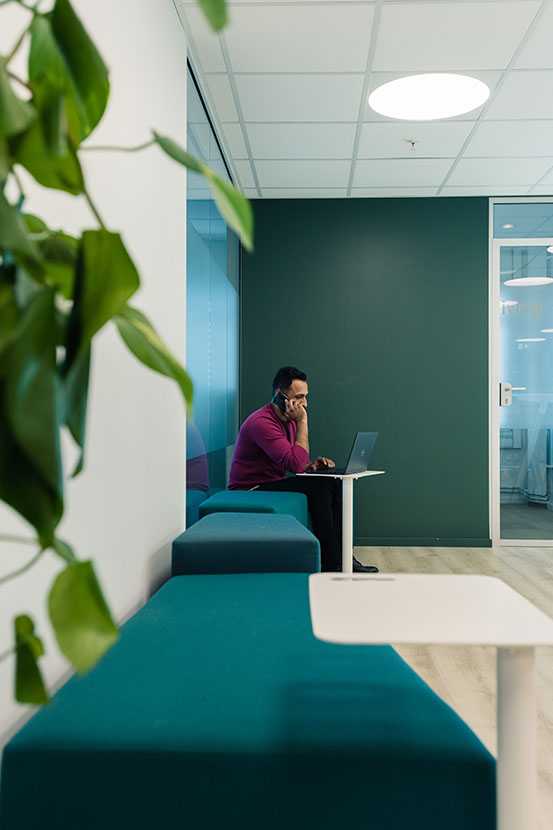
<point x="384" y="303"/>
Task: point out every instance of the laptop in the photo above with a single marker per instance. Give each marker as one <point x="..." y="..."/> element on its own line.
<point x="359" y="457"/>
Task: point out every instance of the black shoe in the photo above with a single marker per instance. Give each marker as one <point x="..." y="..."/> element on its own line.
<point x="365" y="569"/>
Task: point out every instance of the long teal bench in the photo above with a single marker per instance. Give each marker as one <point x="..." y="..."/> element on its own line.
<point x="257" y="501"/>
<point x="246" y="542"/>
<point x="218" y="708"/>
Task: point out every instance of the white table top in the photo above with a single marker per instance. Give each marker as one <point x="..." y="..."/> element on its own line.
<point x="366" y="609"/>
<point x="345" y="475"/>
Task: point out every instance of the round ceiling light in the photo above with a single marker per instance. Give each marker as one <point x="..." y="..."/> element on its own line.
<point x="550" y="249"/>
<point x="528" y="282"/>
<point x="429" y="97"/>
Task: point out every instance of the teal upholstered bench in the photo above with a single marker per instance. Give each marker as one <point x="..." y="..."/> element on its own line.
<point x="218" y="708"/>
<point x="257" y="501"/>
<point x="246" y="542"/>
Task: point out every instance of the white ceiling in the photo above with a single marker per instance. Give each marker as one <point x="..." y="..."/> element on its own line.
<point x="287" y="85"/>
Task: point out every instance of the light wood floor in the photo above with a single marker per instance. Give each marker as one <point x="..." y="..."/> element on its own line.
<point x="466" y="677"/>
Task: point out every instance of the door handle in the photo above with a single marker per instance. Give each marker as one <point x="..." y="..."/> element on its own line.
<point x="505" y="394"/>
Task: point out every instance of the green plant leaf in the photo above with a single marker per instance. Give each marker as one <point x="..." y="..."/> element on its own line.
<point x="178" y="153"/>
<point x="59" y="252"/>
<point x="29" y="685"/>
<point x="4" y="159"/>
<point x="107" y="278"/>
<point x="15" y="115"/>
<point x="31" y="420"/>
<point x="64" y="58"/>
<point x="215" y="12"/>
<point x="64" y="550"/>
<point x="15" y="238"/>
<point x="32" y="394"/>
<point x="145" y="343"/>
<point x="44" y="151"/>
<point x="22" y="486"/>
<point x="80" y="616"/>
<point x="9" y="316"/>
<point x="233" y="206"/>
<point x="76" y="401"/>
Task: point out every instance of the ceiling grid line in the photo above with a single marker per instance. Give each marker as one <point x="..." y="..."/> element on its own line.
<point x="530" y="29"/>
<point x="200" y="78"/>
<point x="364" y="91"/>
<point x="238" y="106"/>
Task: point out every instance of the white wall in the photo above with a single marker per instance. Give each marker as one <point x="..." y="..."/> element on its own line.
<point x="129" y="503"/>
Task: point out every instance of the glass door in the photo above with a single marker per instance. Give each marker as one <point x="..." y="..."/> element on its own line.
<point x="523" y="412"/>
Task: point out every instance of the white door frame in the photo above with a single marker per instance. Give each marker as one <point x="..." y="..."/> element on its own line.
<point x="494" y="342"/>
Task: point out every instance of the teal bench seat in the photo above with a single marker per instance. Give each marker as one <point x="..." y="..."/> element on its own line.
<point x="219" y="709"/>
<point x="257" y="501"/>
<point x="246" y="542"/>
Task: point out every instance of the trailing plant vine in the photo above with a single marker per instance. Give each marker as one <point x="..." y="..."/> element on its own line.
<point x="57" y="292"/>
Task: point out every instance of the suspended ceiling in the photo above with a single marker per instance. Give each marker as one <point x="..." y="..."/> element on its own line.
<point x="287" y="86"/>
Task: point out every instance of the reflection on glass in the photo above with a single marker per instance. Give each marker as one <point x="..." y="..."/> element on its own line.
<point x="525" y="220"/>
<point x="526" y="313"/>
<point x="212" y="261"/>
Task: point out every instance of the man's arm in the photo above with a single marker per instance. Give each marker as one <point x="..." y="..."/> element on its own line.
<point x="269" y="437"/>
<point x="298" y="413"/>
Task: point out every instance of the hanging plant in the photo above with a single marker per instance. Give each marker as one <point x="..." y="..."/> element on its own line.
<point x="57" y="292"/>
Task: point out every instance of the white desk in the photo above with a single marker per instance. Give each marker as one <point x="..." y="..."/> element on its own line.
<point x="347" y="511"/>
<point x="365" y="609"/>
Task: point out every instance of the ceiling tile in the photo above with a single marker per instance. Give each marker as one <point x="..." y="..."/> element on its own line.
<point x="296" y="39"/>
<point x="447" y="36"/>
<point x="524" y="95"/>
<point x="234" y="141"/>
<point x="537" y="52"/>
<point x="310" y="174"/>
<point x="391" y="139"/>
<point x="221" y="94"/>
<point x="499" y="172"/>
<point x="299" y="97"/>
<point x="512" y="138"/>
<point x="289" y="141"/>
<point x="244" y="170"/>
<point x="303" y="193"/>
<point x="379" y="78"/>
<point x="392" y="192"/>
<point x="205" y="42"/>
<point x="400" y="172"/>
<point x="485" y="190"/>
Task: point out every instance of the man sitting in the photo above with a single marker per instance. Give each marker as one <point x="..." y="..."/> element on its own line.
<point x="273" y="443"/>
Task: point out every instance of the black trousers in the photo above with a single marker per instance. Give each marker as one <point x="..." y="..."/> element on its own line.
<point x="324" y="500"/>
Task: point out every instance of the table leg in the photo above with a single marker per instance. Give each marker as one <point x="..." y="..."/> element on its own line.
<point x="347" y="525"/>
<point x="516" y="739"/>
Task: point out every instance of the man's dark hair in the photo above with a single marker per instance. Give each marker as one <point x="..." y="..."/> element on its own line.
<point x="284" y="377"/>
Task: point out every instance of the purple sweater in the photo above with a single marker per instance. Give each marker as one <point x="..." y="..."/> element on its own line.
<point x="265" y="450"/>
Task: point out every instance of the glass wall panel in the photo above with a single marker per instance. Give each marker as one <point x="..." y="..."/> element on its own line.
<point x="212" y="320"/>
<point x="523" y="262"/>
<point x="523" y="220"/>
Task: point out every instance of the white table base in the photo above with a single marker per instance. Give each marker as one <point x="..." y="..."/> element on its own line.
<point x="347" y="525"/>
<point x="347" y="511"/>
<point x="516" y="739"/>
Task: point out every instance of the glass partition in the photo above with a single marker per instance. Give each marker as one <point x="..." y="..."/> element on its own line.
<point x="212" y="320"/>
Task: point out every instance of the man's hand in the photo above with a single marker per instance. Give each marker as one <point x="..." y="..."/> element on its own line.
<point x="295" y="410"/>
<point x="322" y="463"/>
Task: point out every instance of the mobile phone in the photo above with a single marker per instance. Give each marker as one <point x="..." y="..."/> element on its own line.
<point x="279" y="399"/>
